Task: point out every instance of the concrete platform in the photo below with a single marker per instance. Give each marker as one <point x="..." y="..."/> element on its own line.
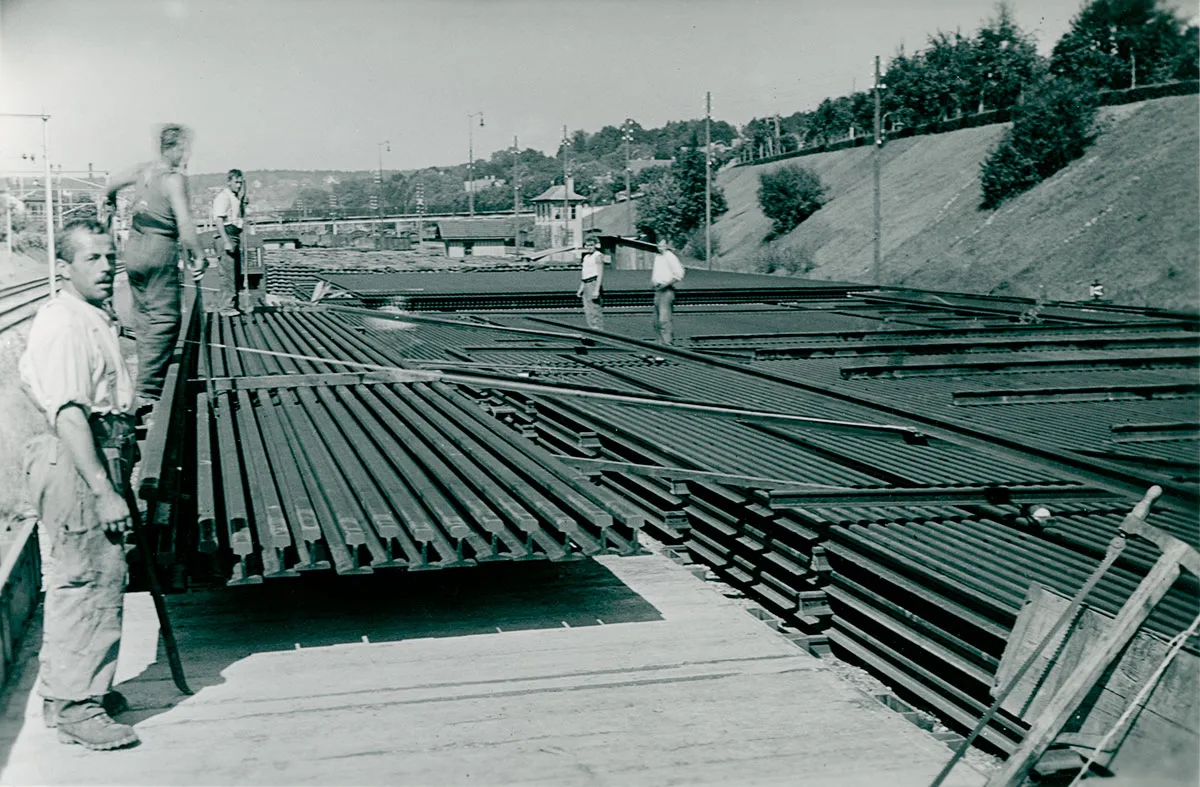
<point x="619" y="671"/>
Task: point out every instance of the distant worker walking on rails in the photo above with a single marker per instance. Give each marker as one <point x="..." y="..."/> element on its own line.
<point x="76" y="476"/>
<point x="162" y="227"/>
<point x="591" y="280"/>
<point x="665" y="275"/>
<point x="228" y="212"/>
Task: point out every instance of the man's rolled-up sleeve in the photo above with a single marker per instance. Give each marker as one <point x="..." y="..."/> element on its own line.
<point x="58" y="369"/>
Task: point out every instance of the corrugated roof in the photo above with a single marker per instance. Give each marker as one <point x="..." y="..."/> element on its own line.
<point x="478" y="229"/>
<point x="555" y="194"/>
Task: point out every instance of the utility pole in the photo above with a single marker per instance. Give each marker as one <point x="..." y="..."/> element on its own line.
<point x="708" y="179"/>
<point x="471" y="159"/>
<point x="878" y="150"/>
<point x="59" y="198"/>
<point x="380" y="147"/>
<point x="628" y="137"/>
<point x="516" y="202"/>
<point x="566" y="190"/>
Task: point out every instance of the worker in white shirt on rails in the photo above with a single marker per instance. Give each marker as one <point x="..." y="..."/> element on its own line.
<point x="665" y="276"/>
<point x="76" y="476"/>
<point x="591" y="280"/>
<point x="228" y="213"/>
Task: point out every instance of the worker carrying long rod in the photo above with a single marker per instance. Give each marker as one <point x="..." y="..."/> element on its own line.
<point x="77" y="476"/>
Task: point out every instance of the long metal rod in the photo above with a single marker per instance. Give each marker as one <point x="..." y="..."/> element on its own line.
<point x="1115" y="547"/>
<point x="160" y="604"/>
<point x="394" y="374"/>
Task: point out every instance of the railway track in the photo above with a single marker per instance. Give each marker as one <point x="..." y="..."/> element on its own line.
<point x="19" y="302"/>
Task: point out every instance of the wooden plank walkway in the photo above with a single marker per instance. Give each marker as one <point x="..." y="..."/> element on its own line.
<point x="619" y="671"/>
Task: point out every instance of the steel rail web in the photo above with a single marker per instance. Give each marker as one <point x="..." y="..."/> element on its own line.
<point x="1181" y="497"/>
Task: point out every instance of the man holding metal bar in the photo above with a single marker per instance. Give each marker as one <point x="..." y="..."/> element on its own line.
<point x="76" y="476"/>
<point x="591" y="282"/>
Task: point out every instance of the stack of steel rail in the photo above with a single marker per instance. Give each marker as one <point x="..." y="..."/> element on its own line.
<point x="900" y="531"/>
<point x="308" y="466"/>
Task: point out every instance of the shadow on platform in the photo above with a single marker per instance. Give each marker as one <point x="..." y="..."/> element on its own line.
<point x="217" y="627"/>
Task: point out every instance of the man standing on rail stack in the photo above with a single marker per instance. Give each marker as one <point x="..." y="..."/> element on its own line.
<point x="665" y="275"/>
<point x="162" y="227"/>
<point x="591" y="279"/>
<point x="76" y="476"/>
<point x="228" y="212"/>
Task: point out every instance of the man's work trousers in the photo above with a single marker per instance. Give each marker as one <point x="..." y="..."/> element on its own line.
<point x="591" y="305"/>
<point x="154" y="281"/>
<point x="664" y="307"/>
<point x="229" y="270"/>
<point x="85" y="578"/>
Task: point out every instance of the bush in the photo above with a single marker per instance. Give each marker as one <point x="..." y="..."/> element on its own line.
<point x="1053" y="128"/>
<point x="772" y="258"/>
<point x="695" y="244"/>
<point x="788" y="196"/>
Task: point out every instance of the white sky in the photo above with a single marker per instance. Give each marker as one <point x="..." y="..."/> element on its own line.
<point x="316" y="84"/>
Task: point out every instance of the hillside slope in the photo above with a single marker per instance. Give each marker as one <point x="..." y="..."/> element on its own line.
<point x="1127" y="213"/>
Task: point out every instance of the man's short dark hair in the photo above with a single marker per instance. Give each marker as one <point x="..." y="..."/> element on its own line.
<point x="172" y="135"/>
<point x="67" y="243"/>
<point x="234" y="173"/>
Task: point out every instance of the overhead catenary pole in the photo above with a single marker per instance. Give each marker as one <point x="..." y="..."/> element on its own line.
<point x="708" y="179"/>
<point x="380" y="147"/>
<point x="566" y="191"/>
<point x="471" y="159"/>
<point x="516" y="201"/>
<point x="628" y="137"/>
<point x="49" y="204"/>
<point x="877" y="273"/>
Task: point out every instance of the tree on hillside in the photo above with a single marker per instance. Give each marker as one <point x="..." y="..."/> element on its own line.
<point x="673" y="201"/>
<point x="1050" y="130"/>
<point x="689" y="173"/>
<point x="788" y="196"/>
<point x="1113" y="43"/>
<point x="1004" y="61"/>
<point x="658" y="209"/>
<point x="311" y="199"/>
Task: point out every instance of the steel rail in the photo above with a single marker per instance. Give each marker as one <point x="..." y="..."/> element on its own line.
<point x="1024" y="449"/>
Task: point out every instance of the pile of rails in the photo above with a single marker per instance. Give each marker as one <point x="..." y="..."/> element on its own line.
<point x="897" y="528"/>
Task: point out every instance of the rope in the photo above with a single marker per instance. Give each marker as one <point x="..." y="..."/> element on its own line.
<point x="1173" y="648"/>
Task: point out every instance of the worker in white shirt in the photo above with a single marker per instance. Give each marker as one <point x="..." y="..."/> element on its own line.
<point x="228" y="212"/>
<point x="665" y="275"/>
<point x="591" y="279"/>
<point x="77" y="475"/>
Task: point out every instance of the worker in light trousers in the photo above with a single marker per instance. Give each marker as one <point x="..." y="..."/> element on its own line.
<point x="665" y="275"/>
<point x="591" y="282"/>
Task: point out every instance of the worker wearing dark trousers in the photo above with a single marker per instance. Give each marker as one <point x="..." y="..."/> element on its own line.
<point x="228" y="213"/>
<point x="666" y="273"/>
<point x="162" y="231"/>
<point x="75" y="476"/>
<point x="591" y="283"/>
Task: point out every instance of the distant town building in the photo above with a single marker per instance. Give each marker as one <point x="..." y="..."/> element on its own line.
<point x="479" y="184"/>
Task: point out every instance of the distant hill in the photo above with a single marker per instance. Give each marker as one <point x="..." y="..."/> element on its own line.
<point x="1127" y="213"/>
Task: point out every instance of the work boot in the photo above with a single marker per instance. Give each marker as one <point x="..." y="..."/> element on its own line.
<point x="96" y="731"/>
<point x="114" y="704"/>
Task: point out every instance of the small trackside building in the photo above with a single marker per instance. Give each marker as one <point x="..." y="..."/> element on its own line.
<point x="496" y="237"/>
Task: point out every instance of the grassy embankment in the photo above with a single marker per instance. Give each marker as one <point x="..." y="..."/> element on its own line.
<point x="1127" y="213"/>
